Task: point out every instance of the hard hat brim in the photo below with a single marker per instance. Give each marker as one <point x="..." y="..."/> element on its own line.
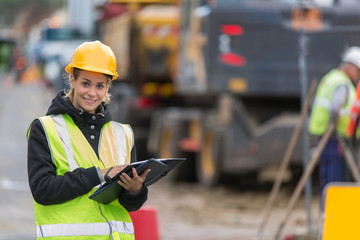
<point x="69" y="67"/>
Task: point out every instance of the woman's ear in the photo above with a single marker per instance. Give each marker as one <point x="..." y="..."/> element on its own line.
<point x="72" y="80"/>
<point x="108" y="85"/>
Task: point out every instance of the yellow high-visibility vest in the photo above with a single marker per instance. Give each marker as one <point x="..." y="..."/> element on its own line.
<point x="320" y="115"/>
<point x="82" y="218"/>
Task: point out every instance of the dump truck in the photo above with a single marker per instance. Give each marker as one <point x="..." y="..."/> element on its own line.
<point x="225" y="84"/>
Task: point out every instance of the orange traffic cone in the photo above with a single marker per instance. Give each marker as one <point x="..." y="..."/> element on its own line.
<point x="145" y="223"/>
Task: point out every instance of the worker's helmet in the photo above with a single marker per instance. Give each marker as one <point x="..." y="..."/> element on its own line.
<point x="94" y="56"/>
<point x="352" y="55"/>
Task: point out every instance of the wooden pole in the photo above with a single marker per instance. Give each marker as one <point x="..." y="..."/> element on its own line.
<point x="350" y="160"/>
<point x="286" y="159"/>
<point x="306" y="174"/>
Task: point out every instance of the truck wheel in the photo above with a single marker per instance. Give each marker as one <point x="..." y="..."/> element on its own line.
<point x="166" y="142"/>
<point x="168" y="148"/>
<point x="169" y="138"/>
<point x="207" y="165"/>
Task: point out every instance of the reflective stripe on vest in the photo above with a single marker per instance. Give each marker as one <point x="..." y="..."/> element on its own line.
<point x="83" y="229"/>
<point x="81" y="216"/>
<point x="325" y="103"/>
<point x="65" y="137"/>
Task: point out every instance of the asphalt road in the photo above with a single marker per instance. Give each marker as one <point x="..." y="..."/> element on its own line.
<point x="20" y="105"/>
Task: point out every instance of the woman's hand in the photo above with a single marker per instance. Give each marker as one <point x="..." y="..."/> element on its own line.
<point x="134" y="184"/>
<point x="114" y="170"/>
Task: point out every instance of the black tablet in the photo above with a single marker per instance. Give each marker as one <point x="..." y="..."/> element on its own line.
<point x="140" y="168"/>
<point x="110" y="191"/>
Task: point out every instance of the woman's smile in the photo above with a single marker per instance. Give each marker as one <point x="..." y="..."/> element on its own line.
<point x="89" y="101"/>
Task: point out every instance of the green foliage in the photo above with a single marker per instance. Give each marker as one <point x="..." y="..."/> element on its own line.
<point x="10" y="9"/>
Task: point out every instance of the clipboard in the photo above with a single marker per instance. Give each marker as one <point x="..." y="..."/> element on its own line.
<point x="110" y="191"/>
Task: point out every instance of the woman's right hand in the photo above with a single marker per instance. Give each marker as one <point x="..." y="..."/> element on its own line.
<point x="115" y="170"/>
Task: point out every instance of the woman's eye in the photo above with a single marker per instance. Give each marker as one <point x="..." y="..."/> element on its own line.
<point x="85" y="84"/>
<point x="100" y="86"/>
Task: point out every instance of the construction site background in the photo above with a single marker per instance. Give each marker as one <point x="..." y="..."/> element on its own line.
<point x="168" y="93"/>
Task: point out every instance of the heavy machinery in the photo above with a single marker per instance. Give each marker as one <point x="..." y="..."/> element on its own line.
<point x="228" y="92"/>
<point x="144" y="36"/>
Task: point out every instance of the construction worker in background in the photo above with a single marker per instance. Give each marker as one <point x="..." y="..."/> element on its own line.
<point x="353" y="127"/>
<point x="334" y="97"/>
<point x="354" y="116"/>
<point x="76" y="147"/>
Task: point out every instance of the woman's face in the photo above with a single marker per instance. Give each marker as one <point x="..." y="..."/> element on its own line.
<point x="89" y="90"/>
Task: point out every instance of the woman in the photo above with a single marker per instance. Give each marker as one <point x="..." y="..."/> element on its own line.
<point x="74" y="148"/>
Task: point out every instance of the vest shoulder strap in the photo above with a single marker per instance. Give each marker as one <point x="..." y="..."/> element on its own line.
<point x="129" y="134"/>
<point x="59" y="137"/>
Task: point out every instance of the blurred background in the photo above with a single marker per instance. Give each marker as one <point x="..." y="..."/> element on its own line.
<point x="220" y="82"/>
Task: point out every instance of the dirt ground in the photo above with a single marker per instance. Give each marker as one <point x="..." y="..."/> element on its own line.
<point x="190" y="211"/>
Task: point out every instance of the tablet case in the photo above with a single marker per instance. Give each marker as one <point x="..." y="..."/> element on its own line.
<point x="110" y="191"/>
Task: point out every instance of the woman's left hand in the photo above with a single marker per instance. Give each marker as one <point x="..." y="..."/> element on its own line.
<point x="134" y="184"/>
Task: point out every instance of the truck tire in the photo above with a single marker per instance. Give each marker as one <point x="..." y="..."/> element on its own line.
<point x="208" y="167"/>
<point x="168" y="148"/>
<point x="169" y="138"/>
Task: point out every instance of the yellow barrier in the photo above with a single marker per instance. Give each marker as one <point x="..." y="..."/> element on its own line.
<point x="341" y="212"/>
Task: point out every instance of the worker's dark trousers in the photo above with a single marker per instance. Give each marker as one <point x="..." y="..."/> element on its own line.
<point x="332" y="164"/>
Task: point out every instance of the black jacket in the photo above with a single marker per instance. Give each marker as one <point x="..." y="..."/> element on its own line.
<point x="48" y="188"/>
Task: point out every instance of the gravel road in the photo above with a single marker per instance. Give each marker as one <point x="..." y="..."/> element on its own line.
<point x="190" y="211"/>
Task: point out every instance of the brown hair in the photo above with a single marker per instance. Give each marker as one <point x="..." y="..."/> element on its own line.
<point x="75" y="72"/>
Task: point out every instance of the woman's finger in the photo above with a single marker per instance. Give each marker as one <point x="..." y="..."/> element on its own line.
<point x="134" y="172"/>
<point x="145" y="173"/>
<point x="125" y="178"/>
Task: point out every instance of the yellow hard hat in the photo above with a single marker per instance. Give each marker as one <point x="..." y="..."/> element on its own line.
<point x="94" y="56"/>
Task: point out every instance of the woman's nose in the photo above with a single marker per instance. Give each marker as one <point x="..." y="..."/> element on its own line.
<point x="92" y="91"/>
